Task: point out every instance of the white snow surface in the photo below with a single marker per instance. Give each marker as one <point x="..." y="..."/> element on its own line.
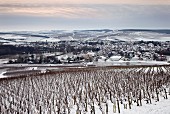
<point x="56" y="36"/>
<point x="161" y="107"/>
<point x="50" y="40"/>
<point x="2" y="74"/>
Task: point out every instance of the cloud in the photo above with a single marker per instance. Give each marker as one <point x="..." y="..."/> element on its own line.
<point x="135" y="2"/>
<point x="83" y="16"/>
<point x="84" y="10"/>
<point x="67" y="11"/>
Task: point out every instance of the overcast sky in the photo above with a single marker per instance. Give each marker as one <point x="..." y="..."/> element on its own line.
<point x="83" y="14"/>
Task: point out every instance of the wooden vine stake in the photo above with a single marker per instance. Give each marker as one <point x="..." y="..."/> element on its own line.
<point x="118" y="107"/>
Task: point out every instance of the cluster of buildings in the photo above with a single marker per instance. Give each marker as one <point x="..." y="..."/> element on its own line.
<point x="96" y="51"/>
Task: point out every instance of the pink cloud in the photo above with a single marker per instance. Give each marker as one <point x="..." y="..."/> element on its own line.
<point x="150" y="2"/>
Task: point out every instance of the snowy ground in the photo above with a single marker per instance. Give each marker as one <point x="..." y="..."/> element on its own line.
<point x="110" y="63"/>
<point x="2" y="72"/>
<point x="52" y="36"/>
<point x="161" y="107"/>
<point x="2" y="61"/>
<point x="44" y="67"/>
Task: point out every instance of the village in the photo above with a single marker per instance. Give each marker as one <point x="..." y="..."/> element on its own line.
<point x="94" y="51"/>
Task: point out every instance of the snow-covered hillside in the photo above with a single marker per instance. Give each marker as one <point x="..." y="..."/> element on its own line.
<point x="94" y="90"/>
<point x="60" y="35"/>
<point x="161" y="107"/>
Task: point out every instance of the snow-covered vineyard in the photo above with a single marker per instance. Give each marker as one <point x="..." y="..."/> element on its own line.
<point x="102" y="90"/>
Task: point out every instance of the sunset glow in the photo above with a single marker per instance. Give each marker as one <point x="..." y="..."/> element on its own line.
<point x="96" y="13"/>
<point x="151" y="2"/>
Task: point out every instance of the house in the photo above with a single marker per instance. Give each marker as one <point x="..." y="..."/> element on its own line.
<point x="115" y="58"/>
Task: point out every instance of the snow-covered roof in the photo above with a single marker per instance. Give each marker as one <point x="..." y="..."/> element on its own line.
<point x="115" y="58"/>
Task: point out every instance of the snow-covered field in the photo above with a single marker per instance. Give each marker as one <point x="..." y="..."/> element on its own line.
<point x="44" y="67"/>
<point x="119" y="63"/>
<point x="56" y="36"/>
<point x="89" y="91"/>
<point x="161" y="107"/>
<point x="2" y="61"/>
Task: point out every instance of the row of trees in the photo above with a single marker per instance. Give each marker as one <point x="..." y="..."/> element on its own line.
<point x="84" y="90"/>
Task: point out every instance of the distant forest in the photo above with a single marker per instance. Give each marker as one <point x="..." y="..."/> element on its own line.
<point x="11" y="50"/>
<point x="166" y="31"/>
